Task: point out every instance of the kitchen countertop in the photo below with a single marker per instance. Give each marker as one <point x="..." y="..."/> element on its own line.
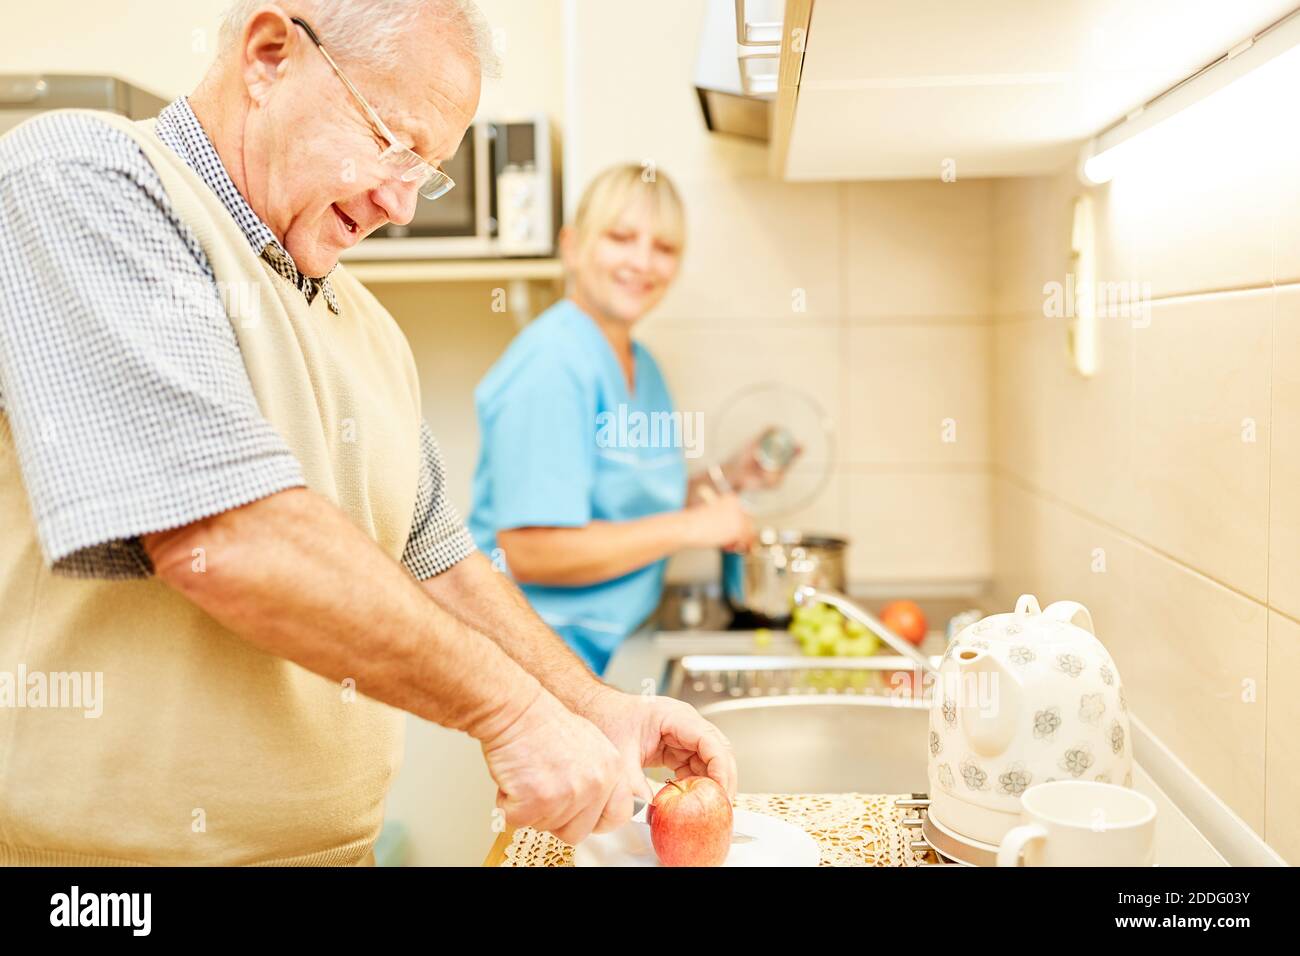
<point x="849" y="829"/>
<point x="641" y="661"/>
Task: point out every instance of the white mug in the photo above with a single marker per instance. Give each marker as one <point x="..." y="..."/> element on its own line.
<point x="1081" y="823"/>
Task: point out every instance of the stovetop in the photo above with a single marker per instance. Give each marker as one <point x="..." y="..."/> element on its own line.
<point x="949" y="848"/>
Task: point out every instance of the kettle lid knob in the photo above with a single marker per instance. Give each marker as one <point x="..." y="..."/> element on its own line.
<point x="1027" y="604"/>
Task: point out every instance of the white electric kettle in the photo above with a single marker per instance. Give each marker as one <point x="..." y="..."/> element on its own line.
<point x="1022" y="698"/>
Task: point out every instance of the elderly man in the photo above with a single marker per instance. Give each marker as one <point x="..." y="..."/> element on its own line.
<point x="217" y="491"/>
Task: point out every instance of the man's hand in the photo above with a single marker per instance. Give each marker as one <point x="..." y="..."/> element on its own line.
<point x="661" y="732"/>
<point x="555" y="771"/>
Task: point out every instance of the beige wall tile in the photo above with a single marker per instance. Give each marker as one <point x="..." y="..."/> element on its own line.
<point x="1147" y="458"/>
<point x="706" y="365"/>
<point x="1018" y="568"/>
<point x="1190" y="649"/>
<point x="1041" y="208"/>
<point x="1284" y="489"/>
<point x="528" y="35"/>
<point x="919" y="248"/>
<point x="455" y="337"/>
<point x="1183" y="644"/>
<point x="758" y="252"/>
<point x="633" y="99"/>
<point x="1282" y="794"/>
<point x="161" y="46"/>
<point x="918" y="526"/>
<point x="1046" y="549"/>
<point x="823" y="513"/>
<point x="1200" y="488"/>
<point x="918" y="394"/>
<point x="1062" y="432"/>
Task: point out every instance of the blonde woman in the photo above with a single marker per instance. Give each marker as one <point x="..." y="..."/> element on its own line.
<point x="587" y="514"/>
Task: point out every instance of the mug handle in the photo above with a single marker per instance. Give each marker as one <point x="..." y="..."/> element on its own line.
<point x="1013" y="844"/>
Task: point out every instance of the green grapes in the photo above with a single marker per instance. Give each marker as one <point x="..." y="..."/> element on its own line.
<point x="823" y="631"/>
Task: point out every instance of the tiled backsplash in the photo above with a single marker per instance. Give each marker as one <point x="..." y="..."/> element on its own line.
<point x="1164" y="492"/>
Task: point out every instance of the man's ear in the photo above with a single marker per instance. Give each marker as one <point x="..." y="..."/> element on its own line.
<point x="269" y="39"/>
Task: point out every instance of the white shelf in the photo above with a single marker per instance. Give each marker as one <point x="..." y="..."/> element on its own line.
<point x="457" y="270"/>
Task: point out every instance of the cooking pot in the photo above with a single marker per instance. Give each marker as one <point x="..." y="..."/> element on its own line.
<point x="760" y="582"/>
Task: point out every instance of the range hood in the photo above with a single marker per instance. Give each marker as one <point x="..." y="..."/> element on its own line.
<point x="23" y="95"/>
<point x="736" y="70"/>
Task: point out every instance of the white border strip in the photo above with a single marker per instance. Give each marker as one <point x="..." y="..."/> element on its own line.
<point x="1230" y="835"/>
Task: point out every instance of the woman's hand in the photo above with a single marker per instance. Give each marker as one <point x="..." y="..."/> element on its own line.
<point x="720" y="521"/>
<point x="744" y="471"/>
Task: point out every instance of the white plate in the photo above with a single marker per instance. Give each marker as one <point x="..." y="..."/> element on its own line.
<point x="775" y="843"/>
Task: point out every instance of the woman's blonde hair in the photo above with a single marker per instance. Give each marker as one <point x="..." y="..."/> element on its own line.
<point x="612" y="191"/>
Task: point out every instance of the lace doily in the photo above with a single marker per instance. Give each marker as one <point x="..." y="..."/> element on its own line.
<point x="852" y="829"/>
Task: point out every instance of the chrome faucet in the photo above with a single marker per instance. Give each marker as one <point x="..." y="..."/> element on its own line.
<point x="807" y="595"/>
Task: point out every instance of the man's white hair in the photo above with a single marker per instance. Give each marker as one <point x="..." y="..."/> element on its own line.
<point x="369" y="32"/>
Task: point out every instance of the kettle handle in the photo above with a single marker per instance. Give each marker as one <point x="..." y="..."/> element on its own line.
<point x="1072" y="612"/>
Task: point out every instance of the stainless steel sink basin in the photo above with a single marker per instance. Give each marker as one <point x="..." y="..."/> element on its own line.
<point x="801" y="725"/>
<point x="825" y="744"/>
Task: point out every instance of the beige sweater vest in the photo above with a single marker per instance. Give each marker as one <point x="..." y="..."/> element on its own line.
<point x="209" y="751"/>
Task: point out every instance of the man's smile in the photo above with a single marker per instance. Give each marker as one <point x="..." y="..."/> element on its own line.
<point x="348" y="222"/>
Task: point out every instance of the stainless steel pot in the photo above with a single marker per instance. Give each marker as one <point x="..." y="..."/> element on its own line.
<point x="760" y="583"/>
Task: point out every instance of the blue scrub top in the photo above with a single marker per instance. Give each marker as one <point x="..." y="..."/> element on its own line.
<point x="563" y="444"/>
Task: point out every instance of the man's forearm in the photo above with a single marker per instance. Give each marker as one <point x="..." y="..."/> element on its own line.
<point x="291" y="574"/>
<point x="488" y="601"/>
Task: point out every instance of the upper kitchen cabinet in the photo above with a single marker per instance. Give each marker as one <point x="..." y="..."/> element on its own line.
<point x="919" y="89"/>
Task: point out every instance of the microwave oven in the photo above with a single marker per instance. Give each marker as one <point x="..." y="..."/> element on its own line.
<point x="506" y="201"/>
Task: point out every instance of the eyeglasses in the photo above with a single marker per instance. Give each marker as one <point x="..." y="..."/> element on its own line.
<point x="404" y="162"/>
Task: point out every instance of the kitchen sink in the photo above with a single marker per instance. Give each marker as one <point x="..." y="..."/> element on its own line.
<point x="825" y="745"/>
<point x="801" y="725"/>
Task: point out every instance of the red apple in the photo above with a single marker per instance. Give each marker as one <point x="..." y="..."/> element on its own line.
<point x="690" y="822"/>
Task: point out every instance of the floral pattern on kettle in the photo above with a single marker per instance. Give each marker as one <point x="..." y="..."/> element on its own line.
<point x="1071" y="664"/>
<point x="1091" y="708"/>
<point x="1021" y="655"/>
<point x="1116" y="737"/>
<point x="945" y="776"/>
<point x="935" y="744"/>
<point x="1015" y="780"/>
<point x="1077" y="760"/>
<point x="1047" y="722"/>
<point x="974" y="777"/>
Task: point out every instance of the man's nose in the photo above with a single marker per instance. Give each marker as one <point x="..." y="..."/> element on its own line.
<point x="397" y="199"/>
